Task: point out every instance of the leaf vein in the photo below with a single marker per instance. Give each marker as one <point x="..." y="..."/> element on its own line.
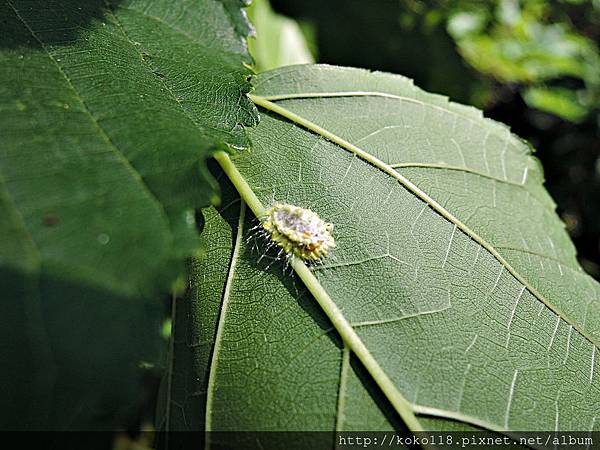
<point x="210" y="390"/>
<point x="341" y="404"/>
<point x="415" y="190"/>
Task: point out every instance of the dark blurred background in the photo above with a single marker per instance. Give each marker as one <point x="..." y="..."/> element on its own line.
<point x="531" y="64"/>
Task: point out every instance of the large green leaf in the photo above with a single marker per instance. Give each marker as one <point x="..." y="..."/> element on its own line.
<point x="108" y="111"/>
<point x="451" y="269"/>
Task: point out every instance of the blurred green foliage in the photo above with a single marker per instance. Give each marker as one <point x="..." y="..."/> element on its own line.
<point x="534" y="43"/>
<point x="532" y="64"/>
<point x="278" y="40"/>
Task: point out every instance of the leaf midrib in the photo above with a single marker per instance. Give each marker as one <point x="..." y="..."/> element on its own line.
<point x="423" y="196"/>
<point x="390" y="391"/>
<point x="340" y="323"/>
<point x="399" y="403"/>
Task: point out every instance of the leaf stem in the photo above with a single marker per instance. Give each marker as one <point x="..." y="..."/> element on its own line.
<point x="343" y="327"/>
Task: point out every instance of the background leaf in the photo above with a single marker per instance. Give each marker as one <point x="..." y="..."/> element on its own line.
<point x="278" y="40"/>
<point x="107" y="113"/>
<point x="451" y="266"/>
<point x="561" y="102"/>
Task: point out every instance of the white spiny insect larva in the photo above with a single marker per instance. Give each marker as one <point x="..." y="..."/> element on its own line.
<point x="299" y="231"/>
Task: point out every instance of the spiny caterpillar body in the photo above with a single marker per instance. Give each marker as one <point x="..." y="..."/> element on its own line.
<point x="299" y="231"/>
